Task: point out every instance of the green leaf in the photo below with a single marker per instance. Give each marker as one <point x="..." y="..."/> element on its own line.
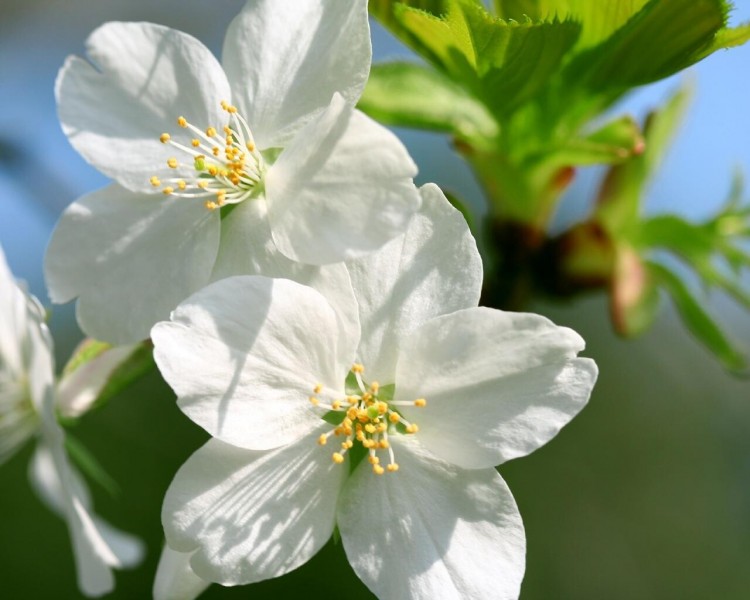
<point x="614" y="143"/>
<point x="89" y="466"/>
<point x="622" y="191"/>
<point x="599" y="19"/>
<point x="697" y="320"/>
<point x="410" y="95"/>
<point x="660" y="40"/>
<point x="502" y="62"/>
<point x="729" y="38"/>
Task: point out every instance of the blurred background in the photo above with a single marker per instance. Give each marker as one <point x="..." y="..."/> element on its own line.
<point x="645" y="495"/>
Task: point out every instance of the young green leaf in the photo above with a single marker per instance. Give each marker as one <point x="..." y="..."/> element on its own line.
<point x="410" y="95"/>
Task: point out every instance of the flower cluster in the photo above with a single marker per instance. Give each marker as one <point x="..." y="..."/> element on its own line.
<point x="312" y="309"/>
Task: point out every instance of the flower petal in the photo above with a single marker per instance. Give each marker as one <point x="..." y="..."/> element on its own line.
<point x="252" y="515"/>
<point x="247" y="248"/>
<point x="342" y="188"/>
<point x="131" y="258"/>
<point x="498" y="385"/>
<point x="97" y="546"/>
<point x="175" y="580"/>
<point x="141" y="78"/>
<point x="285" y="60"/>
<point x="432" y="530"/>
<point x="244" y="354"/>
<point x="434" y="268"/>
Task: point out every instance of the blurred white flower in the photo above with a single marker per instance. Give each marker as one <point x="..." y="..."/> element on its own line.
<point x="389" y="430"/>
<point x="27" y="408"/>
<point x="270" y="134"/>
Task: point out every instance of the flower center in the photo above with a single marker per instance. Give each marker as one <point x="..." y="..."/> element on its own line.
<point x="227" y="169"/>
<point x="366" y="416"/>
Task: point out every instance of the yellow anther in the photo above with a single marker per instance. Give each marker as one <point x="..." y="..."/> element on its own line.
<point x="323" y="439"/>
<point x="393" y="467"/>
<point x="336" y="404"/>
<point x="227" y="130"/>
<point x="168" y="190"/>
<point x="250" y="146"/>
<point x="215" y="151"/>
<point x="378" y="470"/>
<point x="313" y="400"/>
<point x="374" y="387"/>
<point x="420" y="402"/>
<point x="370" y="428"/>
<point x="382" y="427"/>
<point x="357" y="368"/>
<point x="362" y="416"/>
<point x="181" y="184"/>
<point x="412" y="428"/>
<point x="352" y="412"/>
<point x="360" y="435"/>
<point x="347" y="444"/>
<point x="211" y="131"/>
<point x="394" y="417"/>
<point x="164" y="138"/>
<point x="213" y="170"/>
<point x="373" y="460"/>
<point x="231" y="109"/>
<point x="195" y="142"/>
<point x="203" y="184"/>
<point x="338" y="431"/>
<point x="382" y="408"/>
<point x="367" y="443"/>
<point x="224" y="104"/>
<point x="352" y="399"/>
<point x="182" y="121"/>
<point x="384" y="444"/>
<point x="338" y="458"/>
<point x="210" y="205"/>
<point x="367" y="397"/>
<point x="155" y="181"/>
<point x="318" y="388"/>
<point x="172" y="163"/>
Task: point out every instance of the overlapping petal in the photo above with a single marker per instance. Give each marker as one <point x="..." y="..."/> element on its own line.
<point x="498" y="384"/>
<point x="252" y="515"/>
<point x="247" y="248"/>
<point x="244" y="354"/>
<point x="432" y="531"/>
<point x="131" y="258"/>
<point x="141" y="77"/>
<point x="341" y="188"/>
<point x="433" y="269"/>
<point x="286" y="59"/>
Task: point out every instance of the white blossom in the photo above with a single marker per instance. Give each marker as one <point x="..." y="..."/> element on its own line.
<point x="389" y="430"/>
<point x="222" y="168"/>
<point x="27" y="409"/>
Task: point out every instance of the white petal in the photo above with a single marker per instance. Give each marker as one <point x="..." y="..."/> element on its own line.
<point x="141" y="78"/>
<point x="286" y="59"/>
<point x="244" y="354"/>
<point x="432" y="531"/>
<point x="97" y="546"/>
<point x="77" y="391"/>
<point x="175" y="580"/>
<point x="433" y="269"/>
<point x="246" y="248"/>
<point x="131" y="258"/>
<point x="342" y="188"/>
<point x="13" y="320"/>
<point x="252" y="515"/>
<point x="498" y="385"/>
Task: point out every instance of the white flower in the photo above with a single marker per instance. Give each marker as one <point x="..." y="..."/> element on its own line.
<point x="271" y="135"/>
<point x="390" y="430"/>
<point x="27" y="408"/>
